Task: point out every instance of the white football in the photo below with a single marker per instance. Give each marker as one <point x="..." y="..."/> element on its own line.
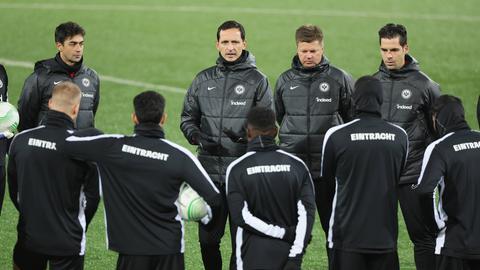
<point x="9" y="117"/>
<point x="191" y="206"/>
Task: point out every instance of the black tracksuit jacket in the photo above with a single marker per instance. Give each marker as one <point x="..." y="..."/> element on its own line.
<point x="452" y="163"/>
<point x="37" y="90"/>
<point x="3" y="142"/>
<point x="140" y="179"/>
<point x="270" y="196"/>
<point x="307" y="103"/>
<point x="408" y="95"/>
<point x="364" y="158"/>
<point x="56" y="196"/>
<point x="221" y="97"/>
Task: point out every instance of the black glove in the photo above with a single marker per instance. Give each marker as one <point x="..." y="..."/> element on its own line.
<point x="205" y="142"/>
<point x="236" y="138"/>
<point x="290" y="234"/>
<point x="292" y="264"/>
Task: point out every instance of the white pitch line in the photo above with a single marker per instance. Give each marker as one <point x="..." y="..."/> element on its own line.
<point x="106" y="78"/>
<point x="263" y="11"/>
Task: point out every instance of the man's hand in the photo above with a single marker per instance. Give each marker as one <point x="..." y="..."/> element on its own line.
<point x="205" y="142"/>
<point x="236" y="138"/>
<point x="6" y="134"/>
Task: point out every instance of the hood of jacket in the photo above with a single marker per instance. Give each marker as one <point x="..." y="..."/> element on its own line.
<point x="245" y="61"/>
<point x="411" y="65"/>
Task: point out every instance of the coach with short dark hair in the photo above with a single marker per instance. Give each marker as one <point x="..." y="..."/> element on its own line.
<point x="141" y="177"/>
<point x="67" y="65"/>
<point x="213" y="117"/>
<point x="271" y="199"/>
<point x="56" y="196"/>
<point x="451" y="165"/>
<point x="408" y="95"/>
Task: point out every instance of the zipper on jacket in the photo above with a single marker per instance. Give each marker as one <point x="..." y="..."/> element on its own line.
<point x="389" y="119"/>
<point x="221" y="123"/>
<point x="310" y="80"/>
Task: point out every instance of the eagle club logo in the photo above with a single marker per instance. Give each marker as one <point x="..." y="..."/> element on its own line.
<point x="86" y="82"/>
<point x="239" y="89"/>
<point x="1" y="84"/>
<point x="406" y="93"/>
<point x="324" y="87"/>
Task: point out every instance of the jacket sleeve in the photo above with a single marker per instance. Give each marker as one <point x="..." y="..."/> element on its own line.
<point x="96" y="100"/>
<point x="29" y="103"/>
<point x="432" y="93"/>
<point x="346" y="104"/>
<point x="279" y="105"/>
<point x="243" y="217"/>
<point x="191" y="114"/>
<point x="264" y="94"/>
<point x="12" y="177"/>
<point x="433" y="171"/>
<point x="91" y="190"/>
<point x="328" y="166"/>
<point x="89" y="148"/>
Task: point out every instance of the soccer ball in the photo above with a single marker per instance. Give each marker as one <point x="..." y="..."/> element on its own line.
<point x="8" y="117"/>
<point x="191" y="206"/>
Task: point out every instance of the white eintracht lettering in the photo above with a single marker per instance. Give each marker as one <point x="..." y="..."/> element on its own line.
<point x="42" y="144"/>
<point x="466" y="146"/>
<point x="144" y="153"/>
<point x="374" y="136"/>
<point x="268" y="169"/>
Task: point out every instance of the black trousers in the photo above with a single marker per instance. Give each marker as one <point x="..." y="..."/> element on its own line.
<point x="422" y="237"/>
<point x="29" y="260"/>
<point x="452" y="263"/>
<point x="210" y="238"/>
<point x="324" y="193"/>
<point x="345" y="260"/>
<point x="153" y="262"/>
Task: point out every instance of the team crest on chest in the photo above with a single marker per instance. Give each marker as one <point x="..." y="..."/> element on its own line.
<point x="324" y="87"/>
<point x="239" y="89"/>
<point x="406" y="93"/>
<point x="86" y="82"/>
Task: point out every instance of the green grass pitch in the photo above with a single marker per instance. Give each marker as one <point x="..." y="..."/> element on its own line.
<point x="167" y="42"/>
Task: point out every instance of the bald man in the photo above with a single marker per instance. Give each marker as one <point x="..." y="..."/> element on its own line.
<point x="55" y="196"/>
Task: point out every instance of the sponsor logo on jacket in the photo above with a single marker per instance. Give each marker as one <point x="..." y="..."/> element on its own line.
<point x="144" y="152"/>
<point x="466" y="146"/>
<point x="372" y="136"/>
<point x="238" y="103"/>
<point x="404" y="107"/>
<point x="323" y="100"/>
<point x="268" y="169"/>
<point x="42" y="144"/>
<point x="87" y="95"/>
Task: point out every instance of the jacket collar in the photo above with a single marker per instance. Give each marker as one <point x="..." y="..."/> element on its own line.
<point x="262" y="144"/>
<point x="411" y="65"/>
<point x="59" y="119"/>
<point x="297" y="65"/>
<point x="149" y="130"/>
<point x="57" y="65"/>
<point x="245" y="61"/>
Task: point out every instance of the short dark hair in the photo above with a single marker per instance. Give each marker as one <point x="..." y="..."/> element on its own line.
<point x="66" y="30"/>
<point x="149" y="107"/>
<point x="229" y="25"/>
<point x="391" y="30"/>
<point x="261" y="118"/>
<point x="308" y="33"/>
<point x="442" y="101"/>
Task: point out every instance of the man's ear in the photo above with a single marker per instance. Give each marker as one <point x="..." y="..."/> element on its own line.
<point x="134" y="118"/>
<point x="163" y="120"/>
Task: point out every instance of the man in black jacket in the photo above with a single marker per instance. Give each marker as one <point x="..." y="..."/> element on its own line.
<point x="310" y="98"/>
<point x="364" y="159"/>
<point x="141" y="177"/>
<point x="4" y="136"/>
<point x="451" y="165"/>
<point x="271" y="199"/>
<point x="408" y="95"/>
<point x="219" y="99"/>
<point x="67" y="65"/>
<point x="56" y="196"/>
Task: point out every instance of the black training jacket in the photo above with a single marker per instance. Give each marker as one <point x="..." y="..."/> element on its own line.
<point x="269" y="193"/>
<point x="37" y="90"/>
<point x="3" y="142"/>
<point x="408" y="95"/>
<point x="364" y="158"/>
<point x="140" y="179"/>
<point x="55" y="195"/>
<point x="221" y="97"/>
<point x="451" y="163"/>
<point x="307" y="103"/>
